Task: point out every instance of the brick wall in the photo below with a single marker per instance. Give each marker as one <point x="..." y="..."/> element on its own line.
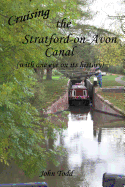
<point x="89" y="87"/>
<point x="104" y="105"/>
<point x="61" y="103"/>
<point x="114" y="90"/>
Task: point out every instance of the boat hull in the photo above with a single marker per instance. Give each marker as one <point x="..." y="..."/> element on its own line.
<point x="75" y="102"/>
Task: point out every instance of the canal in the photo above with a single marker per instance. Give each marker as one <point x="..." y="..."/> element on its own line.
<point x="94" y="143"/>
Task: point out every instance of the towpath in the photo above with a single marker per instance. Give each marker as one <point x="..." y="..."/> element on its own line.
<point x="118" y="79"/>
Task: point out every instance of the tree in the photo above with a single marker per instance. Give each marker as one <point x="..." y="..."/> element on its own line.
<point x="49" y="73"/>
<point x="21" y="135"/>
<point x="119" y="20"/>
<point x="111" y="53"/>
<point x="85" y="51"/>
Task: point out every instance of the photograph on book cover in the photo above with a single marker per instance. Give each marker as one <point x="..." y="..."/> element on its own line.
<point x="62" y="78"/>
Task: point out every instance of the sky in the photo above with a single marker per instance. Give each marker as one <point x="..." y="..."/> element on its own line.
<point x="105" y="8"/>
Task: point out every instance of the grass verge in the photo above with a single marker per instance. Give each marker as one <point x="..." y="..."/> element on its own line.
<point x="48" y="91"/>
<point x="56" y="77"/>
<point x="117" y="99"/>
<point x="53" y="89"/>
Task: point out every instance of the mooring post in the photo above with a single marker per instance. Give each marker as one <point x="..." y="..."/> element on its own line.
<point x="94" y="86"/>
<point x="95" y="81"/>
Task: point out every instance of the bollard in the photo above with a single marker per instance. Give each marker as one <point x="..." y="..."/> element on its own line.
<point x="95" y="81"/>
<point x="113" y="180"/>
<point x="30" y="184"/>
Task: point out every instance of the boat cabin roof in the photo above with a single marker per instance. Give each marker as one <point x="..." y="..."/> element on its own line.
<point x="78" y="87"/>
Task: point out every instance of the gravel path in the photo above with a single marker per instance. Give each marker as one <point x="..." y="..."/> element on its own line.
<point x="118" y="79"/>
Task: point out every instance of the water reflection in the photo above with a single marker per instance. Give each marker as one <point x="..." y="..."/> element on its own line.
<point x="99" y="135"/>
<point x="94" y="149"/>
<point x="94" y="144"/>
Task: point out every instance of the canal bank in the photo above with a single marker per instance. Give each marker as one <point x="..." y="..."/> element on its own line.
<point x="60" y="104"/>
<point x="103" y="105"/>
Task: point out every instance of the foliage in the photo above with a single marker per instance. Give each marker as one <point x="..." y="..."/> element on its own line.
<point x="110" y="53"/>
<point x="13" y="36"/>
<point x="123" y="78"/>
<point x="86" y="52"/>
<point x="83" y="52"/>
<point x="116" y="69"/>
<point x="21" y="137"/>
<point x="56" y="72"/>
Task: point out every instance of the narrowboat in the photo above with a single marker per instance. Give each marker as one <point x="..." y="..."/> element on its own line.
<point x="78" y="94"/>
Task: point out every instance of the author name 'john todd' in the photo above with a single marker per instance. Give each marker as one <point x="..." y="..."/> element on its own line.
<point x="59" y="173"/>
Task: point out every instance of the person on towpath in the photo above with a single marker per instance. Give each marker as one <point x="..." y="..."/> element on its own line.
<point x="99" y="76"/>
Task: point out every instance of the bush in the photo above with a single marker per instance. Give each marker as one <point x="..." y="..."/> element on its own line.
<point x="116" y="69"/>
<point x="105" y="68"/>
<point x="55" y="72"/>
